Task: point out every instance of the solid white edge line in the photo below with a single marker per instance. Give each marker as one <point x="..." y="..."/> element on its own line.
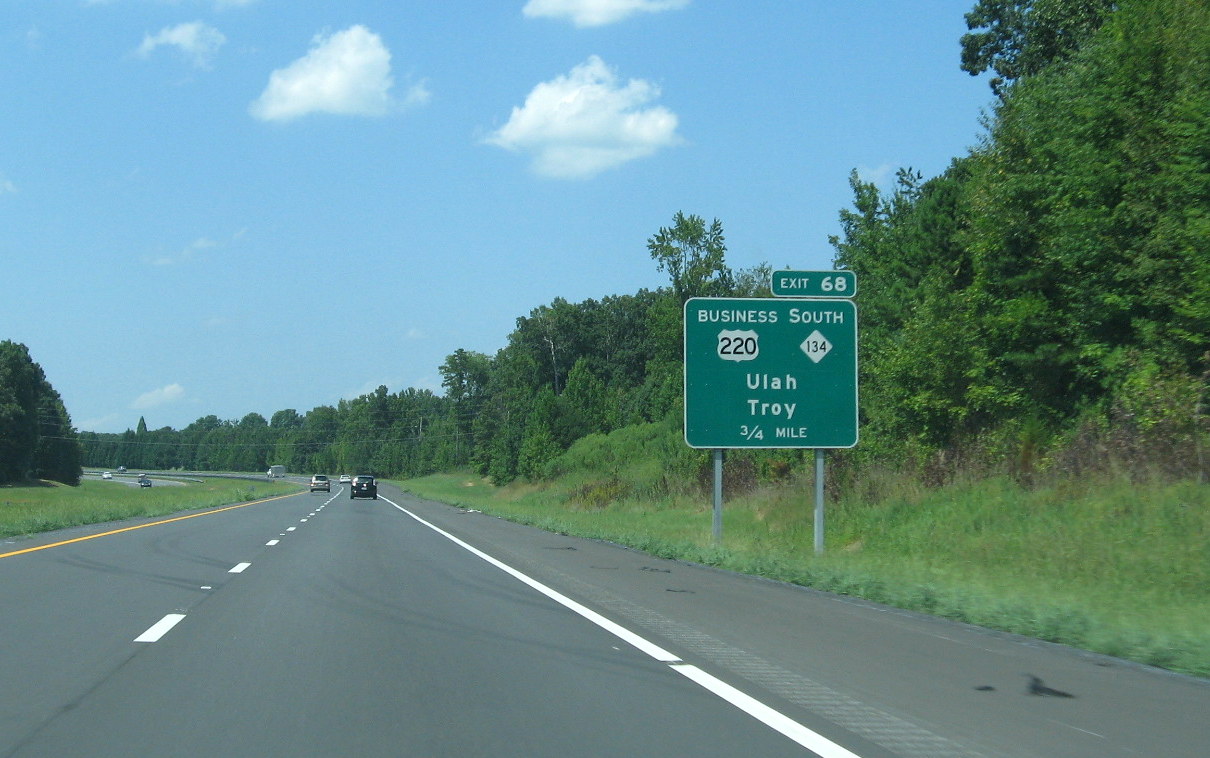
<point x="160" y="628"/>
<point x="775" y="720"/>
<point x="651" y="649"/>
<point x="238" y="568"/>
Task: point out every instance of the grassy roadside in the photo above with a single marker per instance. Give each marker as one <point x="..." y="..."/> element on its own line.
<point x="44" y="507"/>
<point x="1107" y="566"/>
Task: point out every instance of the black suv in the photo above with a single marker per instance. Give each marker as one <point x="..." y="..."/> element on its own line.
<point x="363" y="486"/>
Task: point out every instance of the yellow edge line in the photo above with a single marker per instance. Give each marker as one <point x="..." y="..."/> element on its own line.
<point x="140" y="526"/>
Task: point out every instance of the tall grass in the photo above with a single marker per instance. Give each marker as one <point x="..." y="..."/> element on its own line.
<point x="1107" y="564"/>
<point x="41" y="508"/>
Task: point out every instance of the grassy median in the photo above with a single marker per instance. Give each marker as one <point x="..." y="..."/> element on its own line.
<point x="45" y="506"/>
<point x="1109" y="566"/>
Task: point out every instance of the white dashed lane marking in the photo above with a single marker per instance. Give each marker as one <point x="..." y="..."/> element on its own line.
<point x="160" y="628"/>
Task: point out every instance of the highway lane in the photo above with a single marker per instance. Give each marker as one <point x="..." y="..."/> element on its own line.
<point x="130" y="481"/>
<point x="367" y="629"/>
<point x="71" y="612"/>
<point x="357" y="633"/>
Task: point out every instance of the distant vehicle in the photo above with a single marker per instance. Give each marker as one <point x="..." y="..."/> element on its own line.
<point x="276" y="472"/>
<point x="321" y="482"/>
<point x="121" y="469"/>
<point x="345" y="479"/>
<point x="144" y="481"/>
<point x="106" y="475"/>
<point x="363" y="486"/>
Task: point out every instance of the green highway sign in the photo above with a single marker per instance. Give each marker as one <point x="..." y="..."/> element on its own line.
<point x="841" y="284"/>
<point x="770" y="373"/>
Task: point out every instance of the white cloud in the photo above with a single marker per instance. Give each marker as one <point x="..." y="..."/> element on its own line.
<point x="585" y="122"/>
<point x="347" y="73"/>
<point x="597" y="12"/>
<point x="7" y="187"/>
<point x="198" y="41"/>
<point x="164" y="395"/>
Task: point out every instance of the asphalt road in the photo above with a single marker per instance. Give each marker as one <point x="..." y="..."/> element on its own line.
<point x="313" y="625"/>
<point x="131" y="481"/>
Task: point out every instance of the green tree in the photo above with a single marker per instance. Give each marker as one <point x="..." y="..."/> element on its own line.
<point x="284" y="430"/>
<point x="1019" y="38"/>
<point x="321" y="427"/>
<point x="693" y="255"/>
<point x="538" y="444"/>
<point x="921" y="363"/>
<point x="1091" y="205"/>
<point x="587" y="400"/>
<point x="753" y="282"/>
<point x="58" y="455"/>
<point x="195" y="454"/>
<point x="465" y="376"/>
<point x="250" y="444"/>
<point x="516" y="378"/>
<point x="36" y="436"/>
<point x="20" y="381"/>
<point x="622" y="339"/>
<point x="164" y="450"/>
<point x="286" y="419"/>
<point x="355" y="446"/>
<point x="127" y="450"/>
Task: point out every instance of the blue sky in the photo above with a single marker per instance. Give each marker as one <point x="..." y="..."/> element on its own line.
<point x="234" y="206"/>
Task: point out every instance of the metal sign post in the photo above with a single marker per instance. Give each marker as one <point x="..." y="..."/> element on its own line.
<point x="717" y="521"/>
<point x="818" y="501"/>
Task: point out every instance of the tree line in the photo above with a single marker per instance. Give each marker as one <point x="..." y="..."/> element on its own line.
<point x="569" y="370"/>
<point x="1054" y="284"/>
<point x="1048" y="294"/>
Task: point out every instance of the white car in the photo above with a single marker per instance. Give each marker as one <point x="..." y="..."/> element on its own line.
<point x="106" y="475"/>
<point x="345" y="479"/>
